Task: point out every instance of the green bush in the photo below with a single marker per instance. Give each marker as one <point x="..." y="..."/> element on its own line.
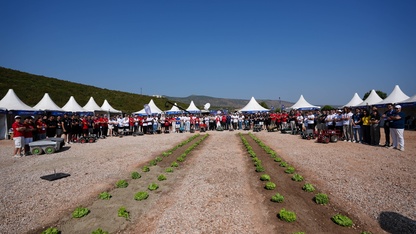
<point x="122" y="212"/>
<point x="270" y="186"/>
<point x="259" y="168"/>
<point x="141" y="196"/>
<point x="104" y="196"/>
<point x="290" y="170"/>
<point x="80" y="212"/>
<point x="158" y="159"/>
<point x="278" y="198"/>
<point x="99" y="231"/>
<point x="265" y="177"/>
<point x="174" y="164"/>
<point x="308" y="187"/>
<point x="169" y="169"/>
<point x="122" y="184"/>
<point x="283" y="164"/>
<point x="342" y="220"/>
<point x="277" y="159"/>
<point x="297" y="177"/>
<point x="287" y="216"/>
<point x="145" y="169"/>
<point x="161" y="177"/>
<point x="321" y="198"/>
<point x="153" y="186"/>
<point x="51" y="230"/>
<point x="135" y="175"/>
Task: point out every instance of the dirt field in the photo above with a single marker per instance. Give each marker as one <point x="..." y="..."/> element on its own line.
<point x="215" y="190"/>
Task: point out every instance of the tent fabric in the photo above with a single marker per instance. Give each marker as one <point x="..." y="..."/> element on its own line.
<point x="355" y="100"/>
<point x="11" y="102"/>
<point x="410" y="101"/>
<point x="253" y="106"/>
<point x="395" y="96"/>
<point x="46" y="103"/>
<point x="302" y="104"/>
<point x="92" y="105"/>
<point x="107" y="107"/>
<point x="153" y="109"/>
<point x="173" y="110"/>
<point x="192" y="108"/>
<point x="73" y="106"/>
<point x="372" y="99"/>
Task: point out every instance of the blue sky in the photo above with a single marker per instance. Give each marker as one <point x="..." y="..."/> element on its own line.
<point x="326" y="50"/>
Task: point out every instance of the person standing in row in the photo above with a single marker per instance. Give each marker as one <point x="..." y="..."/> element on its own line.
<point x="397" y="128"/>
<point x="388" y="113"/>
<point x="18" y="136"/>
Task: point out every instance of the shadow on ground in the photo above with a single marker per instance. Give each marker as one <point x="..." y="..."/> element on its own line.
<point x="395" y="223"/>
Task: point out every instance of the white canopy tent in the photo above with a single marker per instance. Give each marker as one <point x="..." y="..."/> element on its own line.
<point x="410" y="101"/>
<point x="395" y="96"/>
<point x="302" y="104"/>
<point x="153" y="109"/>
<point x="73" y="106"/>
<point x="47" y="104"/>
<point x="92" y="106"/>
<point x="107" y="107"/>
<point x="355" y="100"/>
<point x="192" y="108"/>
<point x="173" y="110"/>
<point x="252" y="107"/>
<point x="372" y="99"/>
<point x="12" y="102"/>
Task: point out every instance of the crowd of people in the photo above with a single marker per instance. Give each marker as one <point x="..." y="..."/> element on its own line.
<point x="360" y="125"/>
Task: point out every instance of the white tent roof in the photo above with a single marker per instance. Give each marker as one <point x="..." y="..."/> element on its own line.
<point x="355" y="100"/>
<point x="107" y="107"/>
<point x="11" y="101"/>
<point x="73" y="106"/>
<point x="395" y="96"/>
<point x="192" y="108"/>
<point x="372" y="99"/>
<point x="46" y="103"/>
<point x="253" y="106"/>
<point x="412" y="99"/>
<point x="92" y="105"/>
<point x="174" y="110"/>
<point x="302" y="104"/>
<point x="153" y="109"/>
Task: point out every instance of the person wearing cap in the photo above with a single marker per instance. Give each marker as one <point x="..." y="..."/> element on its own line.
<point x="18" y="136"/>
<point x="397" y="127"/>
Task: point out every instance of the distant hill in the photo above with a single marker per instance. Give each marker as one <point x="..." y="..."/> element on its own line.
<point x="30" y="89"/>
<point x="226" y="103"/>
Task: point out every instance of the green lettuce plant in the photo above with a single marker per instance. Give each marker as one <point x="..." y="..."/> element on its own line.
<point x="287" y="216"/>
<point x="290" y="170"/>
<point x="80" y="212"/>
<point x="270" y="186"/>
<point x="278" y="198"/>
<point x="122" y="212"/>
<point x="174" y="164"/>
<point x="169" y="169"/>
<point x="342" y="220"/>
<point x="135" y="175"/>
<point x="51" y="230"/>
<point x="104" y="196"/>
<point x="141" y="196"/>
<point x="265" y="177"/>
<point x="99" y="231"/>
<point x="145" y="168"/>
<point x="161" y="177"/>
<point x="283" y="164"/>
<point x="122" y="184"/>
<point x="308" y="187"/>
<point x="153" y="186"/>
<point x="321" y="198"/>
<point x="297" y="177"/>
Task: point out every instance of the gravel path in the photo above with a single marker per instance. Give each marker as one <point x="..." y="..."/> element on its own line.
<point x="378" y="183"/>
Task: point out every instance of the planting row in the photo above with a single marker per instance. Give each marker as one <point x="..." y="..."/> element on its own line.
<point x="80" y="212"/>
<point x="283" y="214"/>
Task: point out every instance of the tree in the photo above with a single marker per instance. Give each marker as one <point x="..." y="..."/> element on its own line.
<point x="263" y="104"/>
<point x="327" y="107"/>
<point x="383" y="95"/>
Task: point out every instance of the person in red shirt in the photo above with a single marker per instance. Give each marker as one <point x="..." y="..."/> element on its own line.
<point x="18" y="136"/>
<point x="41" y="126"/>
